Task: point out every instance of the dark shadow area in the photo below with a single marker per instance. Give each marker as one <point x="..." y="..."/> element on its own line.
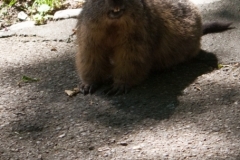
<point x="157" y="97"/>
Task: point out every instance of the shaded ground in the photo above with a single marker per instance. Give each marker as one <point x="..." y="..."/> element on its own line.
<point x="188" y="112"/>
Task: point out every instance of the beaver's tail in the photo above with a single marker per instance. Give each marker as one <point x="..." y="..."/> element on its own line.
<point x="214" y="27"/>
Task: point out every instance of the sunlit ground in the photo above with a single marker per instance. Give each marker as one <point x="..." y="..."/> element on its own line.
<point x="203" y="1"/>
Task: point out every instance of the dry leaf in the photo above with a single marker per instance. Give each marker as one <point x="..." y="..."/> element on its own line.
<point x="73" y="92"/>
<point x="103" y="149"/>
<point x="54" y="49"/>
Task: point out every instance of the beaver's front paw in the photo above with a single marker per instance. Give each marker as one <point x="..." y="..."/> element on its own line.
<point x="88" y="88"/>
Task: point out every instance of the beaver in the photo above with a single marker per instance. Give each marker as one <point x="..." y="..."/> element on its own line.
<point x="123" y="40"/>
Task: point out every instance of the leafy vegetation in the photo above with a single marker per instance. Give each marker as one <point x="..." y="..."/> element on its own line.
<point x="29" y="79"/>
<point x="44" y="8"/>
<point x="38" y="10"/>
<point x="11" y="3"/>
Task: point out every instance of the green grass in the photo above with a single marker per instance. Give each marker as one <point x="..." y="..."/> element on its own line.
<point x="11" y="3"/>
<point x="51" y="3"/>
<point x="38" y="10"/>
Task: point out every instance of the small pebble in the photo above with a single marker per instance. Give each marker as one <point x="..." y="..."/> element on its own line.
<point x="62" y="135"/>
<point x="123" y="143"/>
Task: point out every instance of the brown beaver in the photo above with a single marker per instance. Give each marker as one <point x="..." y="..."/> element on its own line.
<point x="124" y="40"/>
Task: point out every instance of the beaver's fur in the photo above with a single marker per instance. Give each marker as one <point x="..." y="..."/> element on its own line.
<point x="125" y="39"/>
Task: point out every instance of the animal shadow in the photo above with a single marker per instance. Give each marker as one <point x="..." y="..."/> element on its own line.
<point x="157" y="97"/>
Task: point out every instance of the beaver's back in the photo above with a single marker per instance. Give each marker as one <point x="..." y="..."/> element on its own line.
<point x="176" y="30"/>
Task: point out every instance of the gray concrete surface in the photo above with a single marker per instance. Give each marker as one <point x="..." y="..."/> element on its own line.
<point x="188" y="112"/>
<point x="55" y="30"/>
<point x="225" y="45"/>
